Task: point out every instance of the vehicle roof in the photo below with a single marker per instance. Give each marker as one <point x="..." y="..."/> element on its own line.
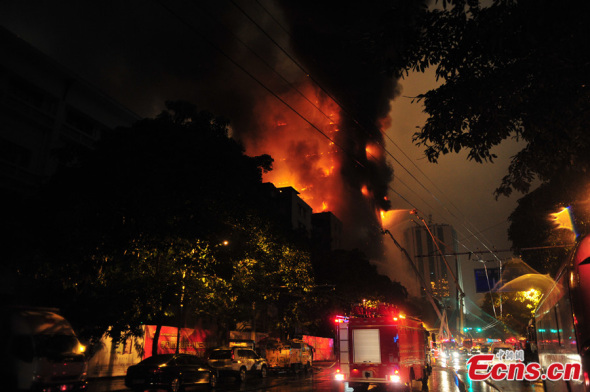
<point x="40" y="322"/>
<point x="494" y="345"/>
<point x="160" y="358"/>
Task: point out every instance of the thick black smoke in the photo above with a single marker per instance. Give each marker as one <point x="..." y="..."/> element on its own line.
<point x="143" y="52"/>
<point x="356" y="51"/>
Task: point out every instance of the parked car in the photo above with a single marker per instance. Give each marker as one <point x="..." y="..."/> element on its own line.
<point x="237" y="361"/>
<point x="170" y="371"/>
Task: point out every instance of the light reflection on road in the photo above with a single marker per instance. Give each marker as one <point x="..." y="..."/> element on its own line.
<point x="459" y="365"/>
<point x="449" y="375"/>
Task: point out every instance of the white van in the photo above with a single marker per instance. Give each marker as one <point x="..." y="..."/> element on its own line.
<point x="42" y="352"/>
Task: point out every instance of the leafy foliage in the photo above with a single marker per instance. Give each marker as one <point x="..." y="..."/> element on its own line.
<point x="532" y="227"/>
<point x="514" y="69"/>
<point x="346" y="278"/>
<point x="518" y="308"/>
<point x="133" y="231"/>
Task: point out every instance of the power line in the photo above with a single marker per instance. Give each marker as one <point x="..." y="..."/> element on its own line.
<point x="328" y="94"/>
<point x="258" y="81"/>
<point x="360" y="126"/>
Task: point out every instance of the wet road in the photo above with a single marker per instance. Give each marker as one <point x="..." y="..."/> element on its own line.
<point x="457" y="365"/>
<point x="447" y="376"/>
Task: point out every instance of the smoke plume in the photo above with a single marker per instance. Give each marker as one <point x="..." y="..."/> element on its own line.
<point x="307" y="82"/>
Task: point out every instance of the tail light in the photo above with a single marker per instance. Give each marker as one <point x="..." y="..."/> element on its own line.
<point x="395" y="376"/>
<point x="339" y="376"/>
<point x="156" y="370"/>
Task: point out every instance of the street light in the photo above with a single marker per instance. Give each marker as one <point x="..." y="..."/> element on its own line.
<point x="180" y="313"/>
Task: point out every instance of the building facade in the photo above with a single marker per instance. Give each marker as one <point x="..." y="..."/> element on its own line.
<point x="290" y="207"/>
<point x="326" y="231"/>
<point x="44" y="107"/>
<point x="442" y="279"/>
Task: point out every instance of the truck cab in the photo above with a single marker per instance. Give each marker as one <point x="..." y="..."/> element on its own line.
<point x="42" y="352"/>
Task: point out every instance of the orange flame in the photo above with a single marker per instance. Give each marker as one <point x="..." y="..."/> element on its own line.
<point x="303" y="158"/>
<point x="365" y="191"/>
<point x="373" y="151"/>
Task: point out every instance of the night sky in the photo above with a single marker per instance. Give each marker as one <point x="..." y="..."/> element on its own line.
<point x="143" y="52"/>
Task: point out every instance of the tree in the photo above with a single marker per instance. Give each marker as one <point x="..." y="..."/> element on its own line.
<point x="518" y="308"/>
<point x="130" y="233"/>
<point x="516" y="69"/>
<point x="346" y="278"/>
<point x="270" y="275"/>
<point x="531" y="225"/>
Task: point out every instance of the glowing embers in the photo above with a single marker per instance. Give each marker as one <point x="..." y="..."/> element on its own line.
<point x="373" y="151"/>
<point x="365" y="191"/>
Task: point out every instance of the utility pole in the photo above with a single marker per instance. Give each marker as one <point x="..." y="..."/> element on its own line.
<point x="456" y="281"/>
<point x="431" y="298"/>
<point x="180" y="314"/>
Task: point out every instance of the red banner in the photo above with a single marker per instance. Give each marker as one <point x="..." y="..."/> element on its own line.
<point x="192" y="341"/>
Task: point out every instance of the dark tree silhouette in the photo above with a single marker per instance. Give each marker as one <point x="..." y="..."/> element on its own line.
<point x="510" y="69"/>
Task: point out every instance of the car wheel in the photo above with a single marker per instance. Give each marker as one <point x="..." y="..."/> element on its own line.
<point x="175" y="385"/>
<point x="242" y="375"/>
<point x="263" y="372"/>
<point x="212" y="381"/>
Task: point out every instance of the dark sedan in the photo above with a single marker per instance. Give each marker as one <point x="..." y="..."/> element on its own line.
<point x="170" y="371"/>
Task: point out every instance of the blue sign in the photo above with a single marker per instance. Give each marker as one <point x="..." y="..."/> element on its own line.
<point x="483" y="285"/>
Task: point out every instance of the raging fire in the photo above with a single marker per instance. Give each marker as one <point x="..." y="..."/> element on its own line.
<point x="365" y="191"/>
<point x="303" y="158"/>
<point x="316" y="152"/>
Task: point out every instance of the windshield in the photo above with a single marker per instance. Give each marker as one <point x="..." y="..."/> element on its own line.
<point x="52" y="345"/>
<point x="220" y="354"/>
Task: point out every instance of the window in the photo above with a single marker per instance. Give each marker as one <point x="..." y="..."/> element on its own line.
<point x="220" y="354"/>
<point x="15" y="154"/>
<point x="81" y="122"/>
<point x="32" y="95"/>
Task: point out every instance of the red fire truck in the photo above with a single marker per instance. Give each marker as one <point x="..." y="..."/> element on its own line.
<point x="379" y="345"/>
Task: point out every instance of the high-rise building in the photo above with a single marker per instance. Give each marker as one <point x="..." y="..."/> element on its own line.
<point x="290" y="207"/>
<point x="326" y="231"/>
<point x="43" y="107"/>
<point x="442" y="279"/>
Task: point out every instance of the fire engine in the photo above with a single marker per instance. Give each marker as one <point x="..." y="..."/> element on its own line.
<point x="380" y="345"/>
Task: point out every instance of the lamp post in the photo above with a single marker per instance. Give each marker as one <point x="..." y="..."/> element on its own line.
<point x="180" y="313"/>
